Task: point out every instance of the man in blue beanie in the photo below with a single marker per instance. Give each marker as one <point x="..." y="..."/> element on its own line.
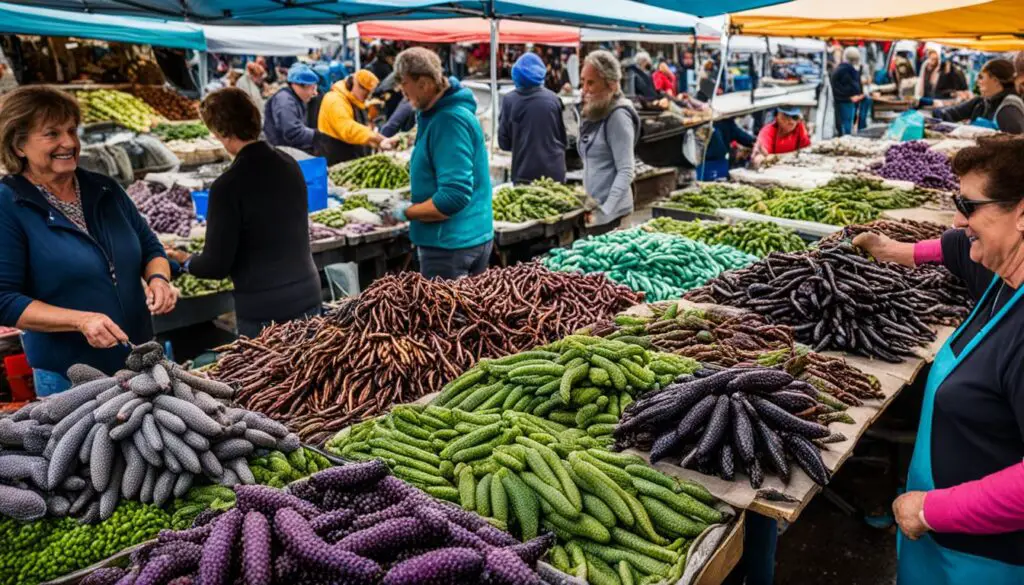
<point x="284" y="115"/>
<point x="531" y="124"/>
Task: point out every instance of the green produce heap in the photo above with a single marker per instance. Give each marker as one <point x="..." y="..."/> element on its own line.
<point x="661" y="265"/>
<point x="186" y="131"/>
<point x="759" y="238"/>
<point x="31" y="553"/>
<point x="107" y="105"/>
<point x="190" y="286"/>
<point x="579" y="380"/>
<point x="712" y="197"/>
<point x="612" y="513"/>
<point x="541" y="199"/>
<point x="358" y="200"/>
<point x="354" y="524"/>
<point x="722" y="421"/>
<point x="843" y="201"/>
<point x="331" y="218"/>
<point x="378" y="171"/>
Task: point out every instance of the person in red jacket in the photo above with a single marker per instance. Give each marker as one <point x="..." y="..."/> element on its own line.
<point x="786" y="134"/>
<point x="665" y="80"/>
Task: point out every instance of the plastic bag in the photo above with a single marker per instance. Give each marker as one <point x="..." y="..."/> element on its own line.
<point x="909" y="126"/>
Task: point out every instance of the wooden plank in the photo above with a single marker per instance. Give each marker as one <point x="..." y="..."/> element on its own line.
<point x="726" y="557"/>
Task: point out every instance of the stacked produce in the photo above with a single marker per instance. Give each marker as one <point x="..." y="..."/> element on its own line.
<point x="357" y="201"/>
<point x="613" y="515"/>
<point x="541" y="199"/>
<point x="661" y="265"/>
<point x="404" y="337"/>
<point x="843" y="201"/>
<point x="331" y="218"/>
<point x="726" y="337"/>
<point x="167" y="102"/>
<point x="319" y="231"/>
<point x="836" y="299"/>
<point x="145" y="434"/>
<point x="721" y="421"/>
<point x="915" y="162"/>
<point x="582" y="381"/>
<point x="850" y="145"/>
<point x="351" y="524"/>
<point x="753" y="237"/>
<point x="167" y="211"/>
<point x="904" y="230"/>
<point x="189" y="286"/>
<point x="378" y="171"/>
<point x="31" y="553"/>
<point x="713" y="196"/>
<point x="185" y="131"/>
<point x="108" y="105"/>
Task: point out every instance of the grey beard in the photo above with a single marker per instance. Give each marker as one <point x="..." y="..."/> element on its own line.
<point x="595" y="111"/>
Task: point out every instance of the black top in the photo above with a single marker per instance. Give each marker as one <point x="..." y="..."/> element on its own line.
<point x="531" y="126"/>
<point x="257" y="232"/>
<point x="1010" y="118"/>
<point x="979" y="409"/>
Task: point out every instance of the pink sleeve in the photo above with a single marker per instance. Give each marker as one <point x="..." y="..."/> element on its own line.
<point x="928" y="252"/>
<point x="993" y="504"/>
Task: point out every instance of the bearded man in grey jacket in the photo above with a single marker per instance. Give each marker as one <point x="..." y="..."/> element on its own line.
<point x="609" y="131"/>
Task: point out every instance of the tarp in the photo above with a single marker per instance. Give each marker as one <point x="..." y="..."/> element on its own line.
<point x="886" y="19"/>
<point x="594" y="35"/>
<point x="711" y="7"/>
<point x="749" y="44"/>
<point x="28" y="20"/>
<point x="468" y="30"/>
<point x="269" y="40"/>
<point x="604" y="13"/>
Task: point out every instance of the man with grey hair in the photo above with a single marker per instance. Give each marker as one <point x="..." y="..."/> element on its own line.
<point x="609" y="131"/>
<point x="848" y="92"/>
<point x="639" y="82"/>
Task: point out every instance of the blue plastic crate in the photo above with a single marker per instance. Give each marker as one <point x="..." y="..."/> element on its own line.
<point x="713" y="170"/>
<point x="315" y="172"/>
<point x="200" y="199"/>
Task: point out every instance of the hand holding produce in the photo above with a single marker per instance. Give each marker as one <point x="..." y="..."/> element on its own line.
<point x="836" y="299"/>
<point x="351" y="524"/>
<point x="526" y="473"/>
<point x="144" y="434"/>
<point x="721" y="421"/>
<point x="915" y="162"/>
<point x="660" y="265"/>
<point x="753" y="237"/>
<point x="541" y="199"/>
<point x="378" y="171"/>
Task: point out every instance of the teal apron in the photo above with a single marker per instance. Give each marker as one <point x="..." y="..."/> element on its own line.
<point x="923" y="561"/>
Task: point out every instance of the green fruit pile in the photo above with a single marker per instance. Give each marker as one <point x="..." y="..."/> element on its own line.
<point x="190" y="286"/>
<point x="186" y="131"/>
<point x="39" y="551"/>
<point x="843" y="201"/>
<point x="541" y="199"/>
<point x="759" y="238"/>
<point x="278" y="470"/>
<point x="107" y="105"/>
<point x="378" y="171"/>
<point x="712" y="197"/>
<point x="356" y="201"/>
<point x="331" y="218"/>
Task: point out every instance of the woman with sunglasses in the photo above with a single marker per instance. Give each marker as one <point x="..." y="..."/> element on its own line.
<point x="962" y="515"/>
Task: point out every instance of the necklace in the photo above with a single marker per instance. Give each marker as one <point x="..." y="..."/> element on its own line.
<point x="995" y="302"/>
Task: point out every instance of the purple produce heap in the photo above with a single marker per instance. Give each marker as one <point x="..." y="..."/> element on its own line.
<point x="167" y="211"/>
<point x="354" y="524"/>
<point x="917" y="163"/>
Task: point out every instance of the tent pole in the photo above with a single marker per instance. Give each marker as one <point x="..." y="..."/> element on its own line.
<point x="357" y="57"/>
<point x="204" y="73"/>
<point x="494" y="84"/>
<point x="726" y="37"/>
<point x="344" y="43"/>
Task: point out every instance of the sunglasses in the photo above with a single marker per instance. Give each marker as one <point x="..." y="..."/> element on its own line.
<point x="969" y="206"/>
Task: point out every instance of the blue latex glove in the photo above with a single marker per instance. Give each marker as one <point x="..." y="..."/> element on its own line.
<point x="399" y="211"/>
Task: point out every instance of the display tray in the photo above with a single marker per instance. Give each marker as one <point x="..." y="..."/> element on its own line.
<point x="785" y="501"/>
<point x="808" y="230"/>
<point x="682" y="214"/>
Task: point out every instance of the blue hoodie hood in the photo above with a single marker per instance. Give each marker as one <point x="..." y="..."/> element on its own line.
<point x="455" y="96"/>
<point x="529" y="71"/>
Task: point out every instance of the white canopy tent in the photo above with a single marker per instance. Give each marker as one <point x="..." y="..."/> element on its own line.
<point x="271" y="40"/>
<point x="750" y="44"/>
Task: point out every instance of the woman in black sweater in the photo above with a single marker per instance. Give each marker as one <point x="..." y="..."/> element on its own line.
<point x="257" y="225"/>
<point x="999" y="105"/>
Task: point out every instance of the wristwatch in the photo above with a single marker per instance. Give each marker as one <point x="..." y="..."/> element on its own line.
<point x="149" y="280"/>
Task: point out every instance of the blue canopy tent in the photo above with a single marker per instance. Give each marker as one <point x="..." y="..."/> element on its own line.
<point x="28" y="20"/>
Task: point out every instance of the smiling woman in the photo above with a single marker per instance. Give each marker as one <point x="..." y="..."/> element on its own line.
<point x="80" y="271"/>
<point x="962" y="517"/>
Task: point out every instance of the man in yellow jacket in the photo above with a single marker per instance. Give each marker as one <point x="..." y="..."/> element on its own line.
<point x="344" y="133"/>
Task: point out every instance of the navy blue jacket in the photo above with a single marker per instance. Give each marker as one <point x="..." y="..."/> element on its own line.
<point x="402" y="120"/>
<point x="532" y="128"/>
<point x="284" y="121"/>
<point x="846" y="83"/>
<point x="46" y="258"/>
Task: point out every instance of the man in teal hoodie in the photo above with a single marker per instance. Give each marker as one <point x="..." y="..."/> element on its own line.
<point x="450" y="217"/>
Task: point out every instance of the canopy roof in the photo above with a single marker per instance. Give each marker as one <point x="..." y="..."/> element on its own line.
<point x="711" y="7"/>
<point x="886" y="19"/>
<point x="29" y="20"/>
<point x="269" y="40"/>
<point x="749" y="44"/>
<point x="604" y="13"/>
<point x="468" y="30"/>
